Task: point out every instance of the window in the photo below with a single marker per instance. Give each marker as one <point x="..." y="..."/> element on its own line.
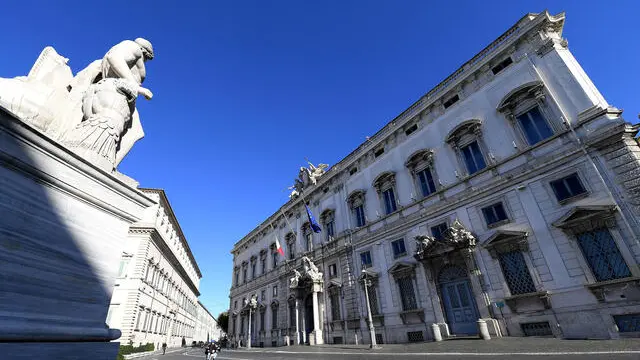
<point x="378" y="152"/>
<point x="365" y="259"/>
<point x="411" y="129"/>
<point x="438" y="231"/>
<point x="140" y="313"/>
<point x="275" y="291"/>
<point x="263" y="264"/>
<point x="425" y="179"/>
<point x="534" y="126"/>
<point x="398" y="248"/>
<point x="358" y="212"/>
<point x="602" y="255"/>
<point x="274" y="317"/>
<point x="407" y="294"/>
<point x="274" y="255"/>
<point x="263" y="295"/>
<point x="330" y="231"/>
<point x="292" y="250"/>
<point x="261" y="320"/>
<point x="373" y="298"/>
<point x="516" y="272"/>
<point x="253" y="269"/>
<point x="473" y="158"/>
<point x="627" y="322"/>
<point x="292" y="316"/>
<point x="568" y="187"/>
<point x="309" y="237"/>
<point x="334" y="297"/>
<point x="123" y="267"/>
<point x="333" y="271"/>
<point x="244" y="274"/>
<point x="235" y="305"/>
<point x="494" y="214"/>
<point x="389" y="201"/>
<point x="452" y="100"/>
<point x="502" y="65"/>
<point x="353" y="170"/>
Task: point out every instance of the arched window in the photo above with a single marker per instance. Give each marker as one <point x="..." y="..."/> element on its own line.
<point x="290" y="240"/>
<point x="423" y="172"/>
<point x="531" y="113"/>
<point x="356" y="202"/>
<point x="327" y="218"/>
<point x="307" y="235"/>
<point x="466" y="140"/>
<point x="385" y="185"/>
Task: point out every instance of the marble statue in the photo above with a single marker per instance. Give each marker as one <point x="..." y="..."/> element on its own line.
<point x="311" y="270"/>
<point x="424" y="242"/>
<point x="253" y="303"/>
<point x="293" y="282"/>
<point x="71" y="110"/>
<point x="306" y="177"/>
<point x="456" y="236"/>
<point x="316" y="172"/>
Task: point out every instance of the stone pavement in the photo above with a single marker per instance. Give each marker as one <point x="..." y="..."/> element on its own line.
<point x="501" y="345"/>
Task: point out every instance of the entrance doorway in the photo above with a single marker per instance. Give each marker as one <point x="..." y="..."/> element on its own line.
<point x="458" y="301"/>
<point x="308" y="316"/>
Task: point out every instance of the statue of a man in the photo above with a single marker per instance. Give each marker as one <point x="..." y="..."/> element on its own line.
<point x="293" y="282"/>
<point x="126" y="61"/>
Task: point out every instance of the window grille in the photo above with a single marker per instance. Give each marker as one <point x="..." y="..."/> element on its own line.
<point x="415" y="336"/>
<point x="516" y="273"/>
<point x="628" y="322"/>
<point x="263" y="264"/>
<point x="536" y="329"/>
<point x="567" y="187"/>
<point x="473" y="158"/>
<point x="274" y="318"/>
<point x="330" y="231"/>
<point x="534" y="126"/>
<point x="407" y="294"/>
<point x="333" y="271"/>
<point x="603" y="255"/>
<point x="427" y="185"/>
<point x="335" y="306"/>
<point x="411" y="129"/>
<point x="379" y="339"/>
<point x="494" y="213"/>
<point x="337" y="339"/>
<point x="292" y="317"/>
<point x="262" y="321"/>
<point x="502" y="65"/>
<point x="373" y="299"/>
<point x="365" y="258"/>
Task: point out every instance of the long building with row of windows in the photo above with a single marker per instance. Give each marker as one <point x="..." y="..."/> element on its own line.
<point x="509" y="194"/>
<point x="155" y="298"/>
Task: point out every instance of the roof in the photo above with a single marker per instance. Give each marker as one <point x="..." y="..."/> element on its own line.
<point x="169" y="209"/>
<point x="522" y="26"/>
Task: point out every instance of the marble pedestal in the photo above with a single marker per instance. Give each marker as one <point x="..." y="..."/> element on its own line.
<point x="63" y="223"/>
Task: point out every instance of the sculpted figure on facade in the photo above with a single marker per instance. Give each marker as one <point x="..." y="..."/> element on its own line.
<point x="423" y="243"/>
<point x="87" y="111"/>
<point x="293" y="282"/>
<point x="458" y="235"/>
<point x="311" y="270"/>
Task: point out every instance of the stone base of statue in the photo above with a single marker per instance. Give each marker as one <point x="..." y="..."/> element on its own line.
<point x="63" y="224"/>
<point x="315" y="338"/>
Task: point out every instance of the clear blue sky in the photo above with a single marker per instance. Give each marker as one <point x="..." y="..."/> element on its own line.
<point x="244" y="90"/>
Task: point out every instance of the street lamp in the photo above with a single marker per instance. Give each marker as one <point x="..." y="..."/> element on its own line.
<point x="372" y="330"/>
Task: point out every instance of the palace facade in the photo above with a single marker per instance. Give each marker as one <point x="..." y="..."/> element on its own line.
<point x="155" y="298"/>
<point x="508" y="194"/>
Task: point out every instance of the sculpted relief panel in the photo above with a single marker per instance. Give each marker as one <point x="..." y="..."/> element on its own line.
<point x="94" y="113"/>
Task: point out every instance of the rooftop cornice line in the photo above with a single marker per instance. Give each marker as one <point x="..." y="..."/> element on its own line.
<point x="520" y="28"/>
<point x="183" y="239"/>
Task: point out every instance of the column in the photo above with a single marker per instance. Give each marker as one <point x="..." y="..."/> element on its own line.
<point x="297" y="323"/>
<point x="315" y="338"/>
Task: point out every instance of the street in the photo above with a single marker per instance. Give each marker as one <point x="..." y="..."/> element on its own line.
<point x="548" y="349"/>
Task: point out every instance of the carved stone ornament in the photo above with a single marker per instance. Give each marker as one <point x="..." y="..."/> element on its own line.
<point x="311" y="270"/>
<point x="420" y="159"/>
<point x="455" y="237"/>
<point x="384" y="181"/>
<point x="295" y="280"/>
<point x="307" y="177"/>
<point x="94" y="113"/>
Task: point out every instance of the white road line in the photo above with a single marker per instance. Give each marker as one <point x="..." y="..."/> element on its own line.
<point x="562" y="353"/>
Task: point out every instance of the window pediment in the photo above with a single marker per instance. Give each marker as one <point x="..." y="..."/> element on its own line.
<point x="371" y="275"/>
<point x="263" y="253"/>
<point x="334" y="283"/>
<point x="274" y="304"/>
<point x="584" y="218"/>
<point x="384" y="181"/>
<point x="506" y="241"/>
<point x="356" y="198"/>
<point x="528" y="90"/>
<point x="290" y="237"/>
<point x="402" y="268"/>
<point x="327" y="215"/>
<point x="467" y="127"/>
<point x="420" y="159"/>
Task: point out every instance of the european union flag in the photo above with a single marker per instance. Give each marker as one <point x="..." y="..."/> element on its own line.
<point x="314" y="225"/>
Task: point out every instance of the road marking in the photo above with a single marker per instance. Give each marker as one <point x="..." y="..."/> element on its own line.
<point x="622" y="352"/>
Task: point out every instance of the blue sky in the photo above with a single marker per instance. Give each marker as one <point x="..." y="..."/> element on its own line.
<point x="244" y="90"/>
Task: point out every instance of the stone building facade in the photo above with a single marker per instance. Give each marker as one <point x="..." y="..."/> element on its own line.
<point x="508" y="193"/>
<point x="155" y="298"/>
<point x="206" y="325"/>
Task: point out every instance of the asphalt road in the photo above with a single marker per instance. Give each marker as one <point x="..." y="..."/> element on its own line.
<point x="191" y="354"/>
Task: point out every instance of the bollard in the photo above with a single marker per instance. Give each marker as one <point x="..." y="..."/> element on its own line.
<point x="437" y="336"/>
<point x="483" y="330"/>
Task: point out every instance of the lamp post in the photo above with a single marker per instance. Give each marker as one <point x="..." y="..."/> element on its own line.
<point x="372" y="330"/>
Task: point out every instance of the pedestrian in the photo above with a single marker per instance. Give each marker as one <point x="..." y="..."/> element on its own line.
<point x="207" y="354"/>
<point x="164" y="348"/>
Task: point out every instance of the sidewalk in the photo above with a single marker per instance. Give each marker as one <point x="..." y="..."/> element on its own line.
<point x="499" y="345"/>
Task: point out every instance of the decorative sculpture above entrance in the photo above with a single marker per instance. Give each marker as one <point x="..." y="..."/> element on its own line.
<point x="455" y="237"/>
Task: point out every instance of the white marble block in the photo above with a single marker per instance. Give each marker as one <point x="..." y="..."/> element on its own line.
<point x="63" y="224"/>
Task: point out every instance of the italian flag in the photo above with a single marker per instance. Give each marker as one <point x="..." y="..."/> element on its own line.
<point x="279" y="247"/>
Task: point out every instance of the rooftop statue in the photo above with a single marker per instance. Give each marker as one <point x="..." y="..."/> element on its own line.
<point x="93" y="113"/>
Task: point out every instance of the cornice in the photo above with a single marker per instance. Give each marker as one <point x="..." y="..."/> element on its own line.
<point x="165" y="202"/>
<point x="524" y="26"/>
